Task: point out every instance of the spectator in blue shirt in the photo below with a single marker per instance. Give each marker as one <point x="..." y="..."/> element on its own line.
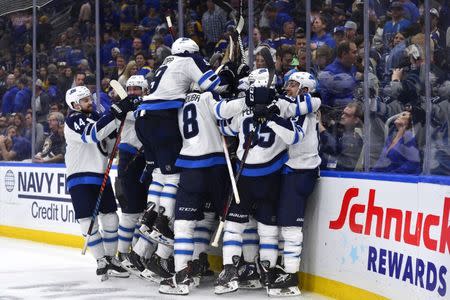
<point x="22" y="101"/>
<point x="401" y="153"/>
<point x="320" y="35"/>
<point x="411" y="11"/>
<point x="337" y="81"/>
<point x="141" y="61"/>
<point x="10" y="95"/>
<point x="14" y="147"/>
<point x="398" y="23"/>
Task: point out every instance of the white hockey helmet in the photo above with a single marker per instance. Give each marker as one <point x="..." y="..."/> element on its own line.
<point x="137" y="80"/>
<point x="305" y="79"/>
<point x="261" y="78"/>
<point x="74" y="95"/>
<point x="184" y="45"/>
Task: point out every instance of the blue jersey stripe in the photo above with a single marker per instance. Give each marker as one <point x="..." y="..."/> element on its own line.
<point x="161" y="105"/>
<point x="85" y="180"/>
<point x="94" y="134"/>
<point x="266" y="170"/>
<point x="192" y="164"/>
<point x="218" y="109"/>
<point x="205" y="77"/>
<point x="308" y="103"/>
<point x="128" y="148"/>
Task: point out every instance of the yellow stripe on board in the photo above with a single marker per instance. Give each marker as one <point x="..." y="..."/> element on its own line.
<point x="53" y="238"/>
<point x="308" y="282"/>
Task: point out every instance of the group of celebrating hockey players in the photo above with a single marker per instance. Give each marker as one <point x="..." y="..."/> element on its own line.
<point x="173" y="181"/>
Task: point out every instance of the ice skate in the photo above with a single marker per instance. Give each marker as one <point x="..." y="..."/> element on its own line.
<point x="162" y="233"/>
<point x="227" y="281"/>
<point x="136" y="261"/>
<point x="283" y="284"/>
<point x="158" y="269"/>
<point x="200" y="269"/>
<point x="102" y="269"/>
<point x="115" y="269"/>
<point x="126" y="263"/>
<point x="179" y="283"/>
<point x="249" y="277"/>
<point x="263" y="267"/>
<point x="148" y="219"/>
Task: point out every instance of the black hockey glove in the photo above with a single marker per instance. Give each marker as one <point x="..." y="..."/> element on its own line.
<point x="259" y="95"/>
<point x="121" y="108"/>
<point x="242" y="71"/>
<point x="261" y="113"/>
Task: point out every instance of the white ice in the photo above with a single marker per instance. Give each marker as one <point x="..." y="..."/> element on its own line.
<point x="30" y="270"/>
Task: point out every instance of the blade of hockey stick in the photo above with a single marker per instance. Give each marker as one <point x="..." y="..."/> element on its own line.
<point x="240" y="25"/>
<point x="118" y="88"/>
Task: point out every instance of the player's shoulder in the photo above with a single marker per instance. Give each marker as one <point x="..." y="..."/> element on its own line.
<point x="286" y="98"/>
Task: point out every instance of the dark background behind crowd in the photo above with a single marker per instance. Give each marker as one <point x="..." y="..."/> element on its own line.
<point x="135" y="40"/>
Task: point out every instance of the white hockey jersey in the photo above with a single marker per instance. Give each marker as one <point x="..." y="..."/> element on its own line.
<point x="269" y="152"/>
<point x="304" y="153"/>
<point x="290" y="130"/>
<point x="87" y="149"/>
<point x="202" y="144"/>
<point x="129" y="141"/>
<point x="173" y="79"/>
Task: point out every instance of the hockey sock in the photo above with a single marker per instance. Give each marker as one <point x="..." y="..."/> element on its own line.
<point x="150" y="251"/>
<point x="184" y="243"/>
<point x="110" y="225"/>
<point x="95" y="240"/>
<point x="127" y="224"/>
<point x="202" y="234"/>
<point x="164" y="251"/>
<point x="280" y="249"/>
<point x="250" y="242"/>
<point x="293" y="241"/>
<point x="168" y="194"/>
<point x="143" y="245"/>
<point x="268" y="243"/>
<point x="155" y="188"/>
<point x="232" y="241"/>
<point x="136" y="234"/>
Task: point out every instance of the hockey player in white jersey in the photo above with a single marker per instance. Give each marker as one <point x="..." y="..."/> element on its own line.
<point x="299" y="177"/>
<point x="157" y="127"/>
<point x="130" y="191"/>
<point x="260" y="180"/>
<point x="86" y="157"/>
<point x="203" y="179"/>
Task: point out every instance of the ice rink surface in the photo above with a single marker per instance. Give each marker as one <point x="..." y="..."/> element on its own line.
<point x="30" y="270"/>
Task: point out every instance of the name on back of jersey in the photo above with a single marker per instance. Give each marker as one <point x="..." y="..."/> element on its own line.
<point x="192" y="97"/>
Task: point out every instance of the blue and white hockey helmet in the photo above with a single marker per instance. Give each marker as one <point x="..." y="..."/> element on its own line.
<point x="74" y="95"/>
<point x="184" y="45"/>
<point x="137" y="80"/>
<point x="305" y="79"/>
<point x="260" y="78"/>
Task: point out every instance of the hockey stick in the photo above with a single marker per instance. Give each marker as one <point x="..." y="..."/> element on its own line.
<point x="239" y="27"/>
<point x="248" y="143"/>
<point x="117" y="87"/>
<point x="224" y="143"/>
<point x="170" y="27"/>
<point x="135" y="156"/>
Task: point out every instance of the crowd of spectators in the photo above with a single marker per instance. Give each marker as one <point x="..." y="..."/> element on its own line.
<point x="135" y="40"/>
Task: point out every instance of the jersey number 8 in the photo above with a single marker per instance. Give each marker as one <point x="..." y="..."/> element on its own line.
<point x="190" y="124"/>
